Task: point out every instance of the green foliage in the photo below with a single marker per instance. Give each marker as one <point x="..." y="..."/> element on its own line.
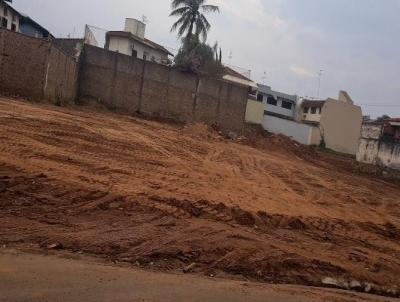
<point x="199" y="57"/>
<point x="192" y="20"/>
<point x="383" y="118"/>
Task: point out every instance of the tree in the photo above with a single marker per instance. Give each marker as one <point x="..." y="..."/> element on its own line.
<point x="192" y="18"/>
<point x="199" y="57"/>
<point x="383" y="118"/>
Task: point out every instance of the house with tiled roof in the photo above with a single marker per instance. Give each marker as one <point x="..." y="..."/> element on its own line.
<point x="13" y="20"/>
<point x="132" y="42"/>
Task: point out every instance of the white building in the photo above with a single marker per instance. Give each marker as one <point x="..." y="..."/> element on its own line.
<point x="13" y="20"/>
<point x="132" y="42"/>
<point x="277" y="103"/>
<point x="9" y="17"/>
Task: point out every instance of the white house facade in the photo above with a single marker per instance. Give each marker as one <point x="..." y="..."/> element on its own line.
<point x="132" y="42"/>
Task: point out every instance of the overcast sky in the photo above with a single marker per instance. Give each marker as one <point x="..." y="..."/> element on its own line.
<point x="283" y="42"/>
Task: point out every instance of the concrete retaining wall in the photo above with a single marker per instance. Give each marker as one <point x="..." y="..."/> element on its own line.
<point x="299" y="132"/>
<point x="373" y="150"/>
<point x="35" y="69"/>
<point x="133" y="85"/>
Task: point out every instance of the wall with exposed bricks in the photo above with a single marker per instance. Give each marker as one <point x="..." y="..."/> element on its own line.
<point x="133" y="85"/>
<point x="36" y="69"/>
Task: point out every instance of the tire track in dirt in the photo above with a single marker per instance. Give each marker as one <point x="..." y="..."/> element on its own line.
<point x="125" y="188"/>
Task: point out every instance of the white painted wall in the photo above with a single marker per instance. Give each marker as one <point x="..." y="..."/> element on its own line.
<point x="374" y="151"/>
<point x="11" y="17"/>
<point x="368" y="151"/>
<point x="389" y="155"/>
<point x="301" y="133"/>
<point x="125" y="46"/>
<point x="121" y="45"/>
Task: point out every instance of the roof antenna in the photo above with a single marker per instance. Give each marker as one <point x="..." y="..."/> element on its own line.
<point x="230" y="57"/>
<point x="264" y="77"/>
<point x="320" y="73"/>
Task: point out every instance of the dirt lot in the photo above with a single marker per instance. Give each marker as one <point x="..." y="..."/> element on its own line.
<point x="164" y="196"/>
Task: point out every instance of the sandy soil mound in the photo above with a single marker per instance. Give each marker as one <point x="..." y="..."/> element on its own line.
<point x="163" y="196"/>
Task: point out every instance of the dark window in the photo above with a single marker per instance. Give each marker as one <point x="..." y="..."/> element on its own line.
<point x="306" y="109"/>
<point x="4" y="23"/>
<point x="253" y="92"/>
<point x="287" y="105"/>
<point x="13" y="27"/>
<point x="313" y="110"/>
<point x="272" y="101"/>
<point x="5" y="11"/>
<point x="260" y="97"/>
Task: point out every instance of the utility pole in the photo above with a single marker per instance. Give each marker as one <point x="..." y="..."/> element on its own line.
<point x="320" y="73"/>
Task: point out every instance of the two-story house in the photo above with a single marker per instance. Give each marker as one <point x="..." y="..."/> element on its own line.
<point x="11" y="19"/>
<point x="338" y="120"/>
<point x="132" y="42"/>
<point x="276" y="103"/>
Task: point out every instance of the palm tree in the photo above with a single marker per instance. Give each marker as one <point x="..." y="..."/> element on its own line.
<point x="191" y="17"/>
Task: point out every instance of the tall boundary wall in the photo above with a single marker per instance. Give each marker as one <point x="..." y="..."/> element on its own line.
<point x="36" y="69"/>
<point x="133" y="85"/>
<point x="373" y="150"/>
<point x="302" y="133"/>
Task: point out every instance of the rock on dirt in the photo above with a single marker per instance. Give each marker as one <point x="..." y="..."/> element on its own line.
<point x="54" y="246"/>
<point x="189" y="268"/>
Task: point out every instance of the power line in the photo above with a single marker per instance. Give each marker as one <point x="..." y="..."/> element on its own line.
<point x="379" y="105"/>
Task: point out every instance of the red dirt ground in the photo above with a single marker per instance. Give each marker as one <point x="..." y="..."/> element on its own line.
<point x="164" y="196"/>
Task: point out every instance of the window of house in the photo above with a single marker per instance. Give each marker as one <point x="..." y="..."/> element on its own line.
<point x="287" y="105"/>
<point x="260" y="97"/>
<point x="13" y="27"/>
<point x="313" y="110"/>
<point x="5" y="11"/>
<point x="272" y="101"/>
<point x="306" y="109"/>
<point x="145" y="55"/>
<point x="4" y="23"/>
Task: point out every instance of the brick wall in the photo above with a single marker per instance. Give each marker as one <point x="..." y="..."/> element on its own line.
<point x="22" y="64"/>
<point x="61" y="77"/>
<point x="35" y="69"/>
<point x="39" y="69"/>
<point x="130" y="84"/>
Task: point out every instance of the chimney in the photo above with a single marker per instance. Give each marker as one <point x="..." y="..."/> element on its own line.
<point x="135" y="27"/>
<point x="345" y="98"/>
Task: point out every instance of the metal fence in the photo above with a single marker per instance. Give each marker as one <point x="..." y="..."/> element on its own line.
<point x="95" y="36"/>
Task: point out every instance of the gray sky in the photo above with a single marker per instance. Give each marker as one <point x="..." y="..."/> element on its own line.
<point x="284" y="42"/>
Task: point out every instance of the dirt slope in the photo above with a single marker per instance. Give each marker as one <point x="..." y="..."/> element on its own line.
<point x="166" y="196"/>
